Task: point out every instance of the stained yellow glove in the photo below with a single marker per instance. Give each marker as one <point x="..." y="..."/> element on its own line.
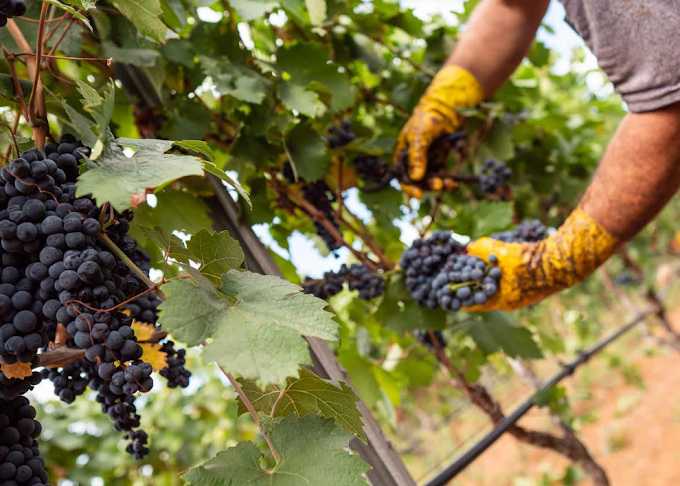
<point x="452" y="89"/>
<point x="533" y="271"/>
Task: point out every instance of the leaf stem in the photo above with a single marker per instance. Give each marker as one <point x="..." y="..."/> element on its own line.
<point x="131" y="265"/>
<point x="251" y="410"/>
<point x="278" y="400"/>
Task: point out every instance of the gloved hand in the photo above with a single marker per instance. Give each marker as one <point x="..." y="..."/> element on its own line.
<point x="533" y="271"/>
<point x="452" y="89"/>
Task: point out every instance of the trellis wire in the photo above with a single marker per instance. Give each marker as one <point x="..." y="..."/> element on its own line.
<point x="469" y="456"/>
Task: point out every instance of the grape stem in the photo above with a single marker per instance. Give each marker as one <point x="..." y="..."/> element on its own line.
<point x="131" y="265"/>
<point x="38" y="113"/>
<point x="39" y="125"/>
<point x="251" y="409"/>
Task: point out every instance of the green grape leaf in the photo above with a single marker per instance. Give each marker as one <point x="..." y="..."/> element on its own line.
<point x="84" y="4"/>
<point x="399" y="312"/>
<point x="72" y="11"/>
<point x="216" y="252"/>
<point x="310" y="79"/>
<point x="7" y="87"/>
<point x="197" y="146"/>
<point x="169" y="243"/>
<point x="491" y="217"/>
<point x="307" y="152"/>
<point x="494" y="332"/>
<point x="317" y="11"/>
<point x="129" y="55"/>
<point x="176" y="210"/>
<point x="99" y="107"/>
<point x="217" y="172"/>
<point x="232" y="79"/>
<point x="124" y="181"/>
<point x="253" y="9"/>
<point x="145" y="14"/>
<point x="257" y="331"/>
<point x="312" y="452"/>
<point x="307" y="395"/>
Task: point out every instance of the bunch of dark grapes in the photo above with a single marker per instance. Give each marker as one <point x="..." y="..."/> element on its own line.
<point x="11" y="8"/>
<point x="71" y="380"/>
<point x="145" y="309"/>
<point x="358" y="277"/>
<point x="340" y="135"/>
<point x="319" y="195"/>
<point x="370" y="167"/>
<point x="528" y="231"/>
<point x="11" y="388"/>
<point x="494" y="175"/>
<point x="176" y="372"/>
<point x="328" y="286"/>
<point x="55" y="269"/>
<point x="426" y="338"/>
<point x="439" y="273"/>
<point x="20" y="461"/>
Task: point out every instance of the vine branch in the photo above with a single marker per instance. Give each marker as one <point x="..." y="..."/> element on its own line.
<point x="480" y="397"/>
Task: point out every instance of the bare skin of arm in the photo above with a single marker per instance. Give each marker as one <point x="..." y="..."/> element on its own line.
<point x="498" y="36"/>
<point x="639" y="173"/>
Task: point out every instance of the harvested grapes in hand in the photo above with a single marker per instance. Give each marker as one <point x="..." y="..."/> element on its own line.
<point x="526" y="232"/>
<point x="440" y="274"/>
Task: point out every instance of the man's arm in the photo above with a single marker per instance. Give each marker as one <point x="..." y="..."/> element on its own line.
<point x="639" y="173"/>
<point x="496" y="39"/>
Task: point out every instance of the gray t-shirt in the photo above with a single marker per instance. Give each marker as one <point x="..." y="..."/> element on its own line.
<point x="637" y="44"/>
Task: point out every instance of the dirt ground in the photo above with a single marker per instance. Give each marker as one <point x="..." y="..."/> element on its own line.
<point x="635" y="437"/>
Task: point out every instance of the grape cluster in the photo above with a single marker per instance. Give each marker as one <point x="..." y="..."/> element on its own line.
<point x="319" y="195"/>
<point x="439" y="273"/>
<point x="72" y="379"/>
<point x="176" y="373"/>
<point x="11" y="388"/>
<point x="54" y="269"/>
<point x="494" y="175"/>
<point x="526" y="232"/>
<point x="370" y="167"/>
<point x="358" y="277"/>
<point x="20" y="461"/>
<point x="145" y="309"/>
<point x="340" y="135"/>
<point x="424" y="337"/>
<point x="11" y="8"/>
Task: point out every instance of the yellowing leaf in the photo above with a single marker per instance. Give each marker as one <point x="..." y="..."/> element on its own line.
<point x="154" y="356"/>
<point x="17" y="370"/>
<point x="143" y="331"/>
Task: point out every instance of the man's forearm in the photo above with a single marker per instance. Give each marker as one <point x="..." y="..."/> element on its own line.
<point x="639" y="173"/>
<point x="496" y="39"/>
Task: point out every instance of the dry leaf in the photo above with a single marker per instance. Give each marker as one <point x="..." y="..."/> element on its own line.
<point x="17" y="370"/>
<point x="154" y="356"/>
<point x="143" y="331"/>
<point x="60" y="356"/>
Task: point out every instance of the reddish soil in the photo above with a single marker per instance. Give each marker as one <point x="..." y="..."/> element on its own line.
<point x="635" y="437"/>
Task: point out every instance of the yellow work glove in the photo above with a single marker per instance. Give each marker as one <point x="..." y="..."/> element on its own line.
<point x="437" y="114"/>
<point x="533" y="271"/>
